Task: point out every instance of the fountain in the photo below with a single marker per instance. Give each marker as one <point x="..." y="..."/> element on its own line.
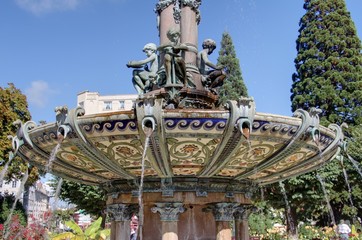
<point x="184" y="163"/>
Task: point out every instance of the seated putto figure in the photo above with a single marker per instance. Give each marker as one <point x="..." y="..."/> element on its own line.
<point x="143" y="80"/>
<point x="175" y="66"/>
<point x="213" y="76"/>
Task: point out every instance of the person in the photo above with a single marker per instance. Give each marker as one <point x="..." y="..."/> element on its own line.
<point x="133" y="234"/>
<point x="343" y="230"/>
<point x="175" y="66"/>
<point x="143" y="79"/>
<point x="215" y="76"/>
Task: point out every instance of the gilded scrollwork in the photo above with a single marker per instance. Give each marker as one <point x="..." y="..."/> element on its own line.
<point x="190" y="152"/>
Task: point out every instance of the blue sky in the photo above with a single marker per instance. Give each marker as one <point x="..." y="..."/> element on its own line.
<point x="54" y="49"/>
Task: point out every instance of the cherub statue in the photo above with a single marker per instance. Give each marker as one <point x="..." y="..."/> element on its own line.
<point x="143" y="79"/>
<point x="175" y="66"/>
<point x="215" y="76"/>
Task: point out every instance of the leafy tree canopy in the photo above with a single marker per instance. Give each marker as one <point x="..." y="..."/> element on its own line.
<point x="13" y="106"/>
<point x="92" y="199"/>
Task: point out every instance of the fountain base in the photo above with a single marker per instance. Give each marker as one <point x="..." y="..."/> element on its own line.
<point x="184" y="215"/>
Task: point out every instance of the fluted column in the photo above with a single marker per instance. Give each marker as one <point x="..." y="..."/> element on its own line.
<point x="241" y="216"/>
<point x="224" y="214"/>
<point x="120" y="216"/>
<point x="169" y="213"/>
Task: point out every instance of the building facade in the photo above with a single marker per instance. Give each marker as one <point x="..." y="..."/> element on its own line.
<point x="35" y="199"/>
<point x="36" y="203"/>
<point x="94" y="103"/>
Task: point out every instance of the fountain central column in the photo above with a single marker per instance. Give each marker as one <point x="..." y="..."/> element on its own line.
<point x="169" y="213"/>
<point x="190" y="17"/>
<point x="184" y="16"/>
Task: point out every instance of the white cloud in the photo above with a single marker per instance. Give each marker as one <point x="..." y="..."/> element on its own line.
<point x="46" y="6"/>
<point x="39" y="93"/>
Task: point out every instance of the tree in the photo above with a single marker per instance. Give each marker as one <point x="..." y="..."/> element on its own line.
<point x="13" y="106"/>
<point x="328" y="76"/>
<point x="329" y="63"/>
<point x="6" y="203"/>
<point x="92" y="199"/>
<point x="233" y="87"/>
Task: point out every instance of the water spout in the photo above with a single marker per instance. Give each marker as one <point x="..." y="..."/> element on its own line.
<point x="62" y="132"/>
<point x="148" y="126"/>
<point x="316" y="135"/>
<point x="245" y="127"/>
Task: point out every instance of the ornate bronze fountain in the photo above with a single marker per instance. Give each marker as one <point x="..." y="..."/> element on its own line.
<point x="203" y="160"/>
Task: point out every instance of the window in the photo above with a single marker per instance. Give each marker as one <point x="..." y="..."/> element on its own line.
<point x="13" y="184"/>
<point x="121" y="104"/>
<point x="81" y="104"/>
<point x="107" y="105"/>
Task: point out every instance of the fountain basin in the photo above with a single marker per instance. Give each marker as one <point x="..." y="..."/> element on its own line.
<point x="224" y="146"/>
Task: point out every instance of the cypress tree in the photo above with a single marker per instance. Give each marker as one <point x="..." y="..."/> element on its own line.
<point x="328" y="76"/>
<point x="233" y="87"/>
<point x="328" y="65"/>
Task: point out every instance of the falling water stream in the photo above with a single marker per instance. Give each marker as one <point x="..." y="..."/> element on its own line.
<point x="355" y="164"/>
<point x="288" y="209"/>
<point x="17" y="197"/>
<point x="148" y="132"/>
<point x="4" y="170"/>
<point x="331" y="214"/>
<point x="53" y="154"/>
<point x="348" y="186"/>
<point x="56" y="194"/>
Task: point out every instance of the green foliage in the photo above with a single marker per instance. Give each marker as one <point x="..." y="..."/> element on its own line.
<point x="94" y="231"/>
<point x="328" y="76"/>
<point x="13" y="106"/>
<point x="63" y="215"/>
<point x="234" y="86"/>
<point x="263" y="219"/>
<point x="90" y="198"/>
<point x="355" y="143"/>
<point x="329" y="63"/>
<point x="6" y="203"/>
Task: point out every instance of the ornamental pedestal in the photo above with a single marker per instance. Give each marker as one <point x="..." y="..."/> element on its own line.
<point x="185" y="215"/>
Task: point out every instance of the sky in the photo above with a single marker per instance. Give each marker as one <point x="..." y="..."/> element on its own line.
<point x="54" y="49"/>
